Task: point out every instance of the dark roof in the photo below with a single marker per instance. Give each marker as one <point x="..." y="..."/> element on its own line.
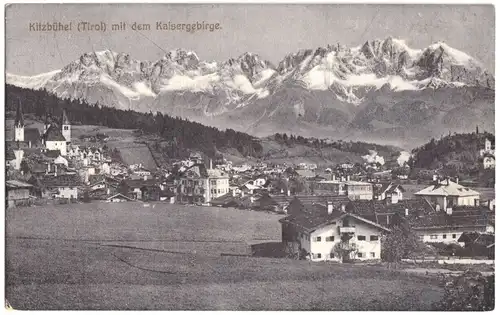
<point x="199" y="168"/>
<point x="462" y="216"/>
<point x="121" y="196"/>
<point x="15" y="184"/>
<point x="382" y="212"/>
<point x="19" y="121"/>
<point x="64" y="180"/>
<point x="477" y="238"/>
<point x="64" y="119"/>
<point x="225" y="200"/>
<point x="300" y="203"/>
<point x="316" y="215"/>
<point x="139" y="183"/>
<point x="32" y="135"/>
<point x="54" y="134"/>
<point x="52" y="153"/>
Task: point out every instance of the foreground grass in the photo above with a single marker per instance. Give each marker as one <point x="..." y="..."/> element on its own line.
<point x="103" y="256"/>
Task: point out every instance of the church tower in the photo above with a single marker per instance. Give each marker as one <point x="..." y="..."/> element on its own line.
<point x="19" y="124"/>
<point x="66" y="126"/>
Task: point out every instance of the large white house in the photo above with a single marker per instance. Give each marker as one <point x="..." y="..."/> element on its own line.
<point x="446" y="194"/>
<point x="314" y="231"/>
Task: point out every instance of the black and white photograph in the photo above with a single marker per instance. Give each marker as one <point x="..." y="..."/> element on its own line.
<point x="249" y="156"/>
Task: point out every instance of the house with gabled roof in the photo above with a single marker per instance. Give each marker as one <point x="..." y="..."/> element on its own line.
<point x="382" y="191"/>
<point x="314" y="230"/>
<point x="62" y="186"/>
<point x="448" y="226"/>
<point x="447" y="193"/>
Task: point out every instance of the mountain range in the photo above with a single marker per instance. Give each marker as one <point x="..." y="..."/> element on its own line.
<point x="381" y="91"/>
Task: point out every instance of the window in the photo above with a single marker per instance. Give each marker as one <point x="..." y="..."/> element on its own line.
<point x="332" y="255"/>
<point x="317" y="239"/>
<point x="361" y="238"/>
<point x="317" y="256"/>
<point x="330" y="238"/>
<point x="372" y="254"/>
<point x="434" y="237"/>
<point x="444" y="236"/>
<point x="66" y="127"/>
<point x="373" y="237"/>
<point x="453" y="235"/>
<point x="360" y="255"/>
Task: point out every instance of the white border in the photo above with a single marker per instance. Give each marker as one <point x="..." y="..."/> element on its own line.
<point x="2" y="98"/>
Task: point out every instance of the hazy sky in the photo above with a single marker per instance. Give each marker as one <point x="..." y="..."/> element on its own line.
<point x="272" y="31"/>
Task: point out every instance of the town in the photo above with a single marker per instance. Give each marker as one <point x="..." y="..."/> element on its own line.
<point x="329" y="212"/>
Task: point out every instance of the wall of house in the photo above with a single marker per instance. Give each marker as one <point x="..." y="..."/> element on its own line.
<point x="218" y="186"/>
<point x="448" y="236"/>
<point x="488" y="162"/>
<point x="18" y="194"/>
<point x="57" y="145"/>
<point x="67" y="192"/>
<point x="366" y="248"/>
<point x="361" y="192"/>
<point x="445" y="202"/>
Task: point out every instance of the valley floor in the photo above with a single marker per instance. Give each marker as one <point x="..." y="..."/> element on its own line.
<point x="161" y="256"/>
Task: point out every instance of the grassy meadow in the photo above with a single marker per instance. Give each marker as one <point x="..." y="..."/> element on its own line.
<point x="172" y="257"/>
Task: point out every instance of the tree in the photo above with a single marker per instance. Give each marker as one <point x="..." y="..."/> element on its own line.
<point x="345" y="251"/>
<point x="401" y="242"/>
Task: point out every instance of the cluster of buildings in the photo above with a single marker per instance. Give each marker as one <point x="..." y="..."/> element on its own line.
<point x="487" y="154"/>
<point x="327" y="211"/>
<point x="445" y="212"/>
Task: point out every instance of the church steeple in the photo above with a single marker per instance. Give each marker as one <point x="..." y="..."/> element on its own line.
<point x="19" y="124"/>
<point x="66" y="126"/>
<point x="19" y="116"/>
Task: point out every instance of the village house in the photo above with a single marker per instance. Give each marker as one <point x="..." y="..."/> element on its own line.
<point x="388" y="190"/>
<point x="353" y="189"/>
<point x="62" y="186"/>
<point x="200" y="185"/>
<point x="141" y="189"/>
<point x="18" y="193"/>
<point x="446" y="193"/>
<point x="488" y="161"/>
<point x="119" y="198"/>
<point x="313" y="231"/>
<point x="447" y="226"/>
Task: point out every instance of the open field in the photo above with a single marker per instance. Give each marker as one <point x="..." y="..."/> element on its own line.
<point x="128" y="256"/>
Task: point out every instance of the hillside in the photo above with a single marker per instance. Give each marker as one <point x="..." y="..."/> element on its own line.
<point x="136" y="134"/>
<point x="455" y="155"/>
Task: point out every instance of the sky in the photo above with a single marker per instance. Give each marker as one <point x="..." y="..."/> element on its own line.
<point x="270" y="30"/>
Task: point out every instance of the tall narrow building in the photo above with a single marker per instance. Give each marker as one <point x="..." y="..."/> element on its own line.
<point x="66" y="126"/>
<point x="19" y="124"/>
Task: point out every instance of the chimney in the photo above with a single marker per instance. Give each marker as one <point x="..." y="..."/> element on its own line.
<point x="406" y="212"/>
<point x="329" y="206"/>
<point x="447" y="181"/>
<point x="456" y="179"/>
<point x="210" y="163"/>
<point x="333" y="176"/>
<point x="434" y="178"/>
<point x="288" y="192"/>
